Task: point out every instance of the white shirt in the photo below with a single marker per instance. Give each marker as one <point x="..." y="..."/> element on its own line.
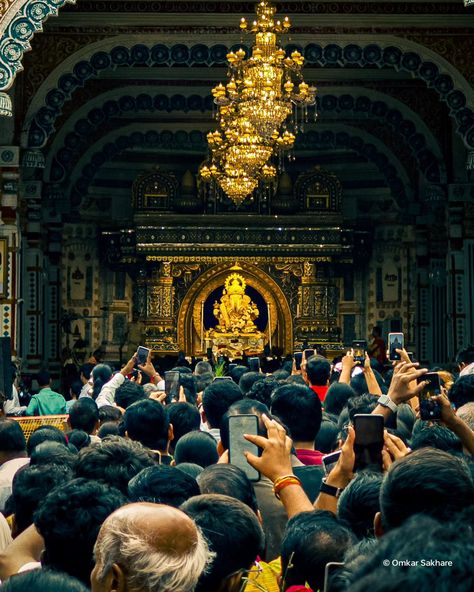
<point x="7" y="472"/>
<point x="107" y="394"/>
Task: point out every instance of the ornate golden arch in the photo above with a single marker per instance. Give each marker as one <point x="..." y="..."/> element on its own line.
<point x="189" y="317"/>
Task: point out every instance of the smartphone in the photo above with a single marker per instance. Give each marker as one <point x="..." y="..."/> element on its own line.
<point x="329" y="571"/>
<point x="308" y="353"/>
<point x="430" y="410"/>
<point x="222" y="378"/>
<point x="360" y="347"/>
<point x="298" y="356"/>
<point x="329" y="460"/>
<point x="254" y="364"/>
<point x="171" y="386"/>
<point x="395" y="341"/>
<point x="142" y="355"/>
<point x="238" y="426"/>
<point x="369" y="441"/>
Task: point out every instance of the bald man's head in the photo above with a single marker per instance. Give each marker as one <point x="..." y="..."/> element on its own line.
<point x="147" y="547"/>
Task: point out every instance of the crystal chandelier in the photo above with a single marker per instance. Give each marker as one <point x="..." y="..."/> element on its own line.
<point x="257" y="110"/>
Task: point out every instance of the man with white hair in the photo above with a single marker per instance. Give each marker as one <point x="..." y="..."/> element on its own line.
<point x="147" y="547"/>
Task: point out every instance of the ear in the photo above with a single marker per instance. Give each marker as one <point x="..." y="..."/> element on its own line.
<point x="118" y="583"/>
<point x="68" y="421"/>
<point x="170" y="432"/>
<point x="220" y="448"/>
<point x="96" y="427"/>
<point x="378" y="528"/>
<point x="203" y="416"/>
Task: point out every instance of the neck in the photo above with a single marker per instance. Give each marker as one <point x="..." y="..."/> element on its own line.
<point x="304" y="445"/>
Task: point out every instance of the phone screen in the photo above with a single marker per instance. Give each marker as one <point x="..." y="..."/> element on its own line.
<point x="329" y="460"/>
<point x="171" y="386"/>
<point x="395" y="341"/>
<point x="430" y="410"/>
<point x="238" y="426"/>
<point x="360" y="347"/>
<point x="298" y="359"/>
<point x="254" y="364"/>
<point x="142" y="355"/>
<point x="368" y="443"/>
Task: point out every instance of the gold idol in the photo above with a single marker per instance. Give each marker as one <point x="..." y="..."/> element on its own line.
<point x="235" y="332"/>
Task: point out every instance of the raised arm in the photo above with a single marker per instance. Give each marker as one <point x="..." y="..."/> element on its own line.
<point x="372" y="384"/>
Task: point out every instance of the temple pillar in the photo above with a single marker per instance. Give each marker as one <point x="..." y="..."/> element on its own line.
<point x="160" y="322"/>
<point x="10" y="238"/>
<point x="316" y="320"/>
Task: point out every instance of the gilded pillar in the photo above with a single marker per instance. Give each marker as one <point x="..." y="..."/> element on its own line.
<point x="316" y="321"/>
<point x="160" y="318"/>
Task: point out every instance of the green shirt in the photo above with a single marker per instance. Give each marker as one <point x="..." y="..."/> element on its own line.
<point x="47" y="402"/>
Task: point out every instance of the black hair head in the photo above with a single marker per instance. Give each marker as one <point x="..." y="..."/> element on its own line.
<point x="147" y="422"/>
<point x="196" y="447"/>
<point x="69" y="519"/>
<point x="228" y="480"/>
<point x="217" y="398"/>
<point x="233" y="533"/>
<point x="299" y="408"/>
<point x="115" y="461"/>
<point x="162" y="485"/>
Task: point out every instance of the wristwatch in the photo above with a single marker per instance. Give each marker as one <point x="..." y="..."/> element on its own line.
<point x="386" y="401"/>
<point x="330" y="489"/>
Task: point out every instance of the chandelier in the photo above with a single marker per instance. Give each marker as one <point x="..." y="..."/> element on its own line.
<point x="257" y="110"/>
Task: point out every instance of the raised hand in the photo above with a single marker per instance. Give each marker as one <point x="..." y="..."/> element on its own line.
<point x="275" y="461"/>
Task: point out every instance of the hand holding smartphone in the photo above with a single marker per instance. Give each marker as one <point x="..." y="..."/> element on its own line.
<point x="142" y="355"/>
<point x="430" y="410"/>
<point x="330" y="460"/>
<point x="359" y="347"/>
<point x="298" y="356"/>
<point x="395" y="341"/>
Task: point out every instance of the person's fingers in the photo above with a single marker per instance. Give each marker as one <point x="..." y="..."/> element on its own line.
<point x="349" y="443"/>
<point x="224" y="458"/>
<point x="274" y="429"/>
<point x="162" y="398"/>
<point x="253" y="460"/>
<point x="391" y="446"/>
<point x="259" y="441"/>
<point x="182" y="396"/>
<point x="386" y="460"/>
<point x="398" y="442"/>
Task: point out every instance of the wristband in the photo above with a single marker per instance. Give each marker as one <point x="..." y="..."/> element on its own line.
<point x="330" y="489"/>
<point x="283" y="482"/>
<point x="386" y="401"/>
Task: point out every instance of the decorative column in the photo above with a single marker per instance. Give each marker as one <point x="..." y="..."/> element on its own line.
<point x="460" y="267"/>
<point x="160" y="323"/>
<point x="10" y="238"/>
<point x="316" y="321"/>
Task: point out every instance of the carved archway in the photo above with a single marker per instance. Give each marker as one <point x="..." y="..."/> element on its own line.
<point x="189" y="312"/>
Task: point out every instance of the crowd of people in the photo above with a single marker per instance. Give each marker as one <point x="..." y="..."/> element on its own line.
<point x="146" y="492"/>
